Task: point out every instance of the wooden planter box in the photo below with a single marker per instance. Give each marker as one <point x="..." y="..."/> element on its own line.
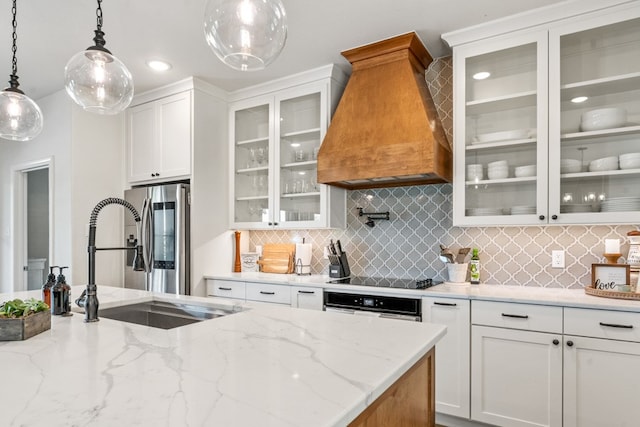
<point x="26" y="327"/>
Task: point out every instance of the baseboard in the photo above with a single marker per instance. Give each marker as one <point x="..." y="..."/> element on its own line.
<point x="449" y="421"/>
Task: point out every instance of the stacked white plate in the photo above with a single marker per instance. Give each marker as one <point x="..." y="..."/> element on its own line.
<point x="507" y="135"/>
<point x="604" y="164"/>
<point x="483" y="211"/>
<point x="630" y="161"/>
<point x="603" y="118"/>
<point x="498" y="169"/>
<point x="474" y="172"/>
<point x="523" y="210"/>
<point x="525" y="171"/>
<point x="570" y="166"/>
<point x="577" y="208"/>
<point x="620" y="204"/>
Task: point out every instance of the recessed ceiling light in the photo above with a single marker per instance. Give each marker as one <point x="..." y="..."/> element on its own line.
<point x="481" y="75"/>
<point x="579" y="99"/>
<point x="158" y="65"/>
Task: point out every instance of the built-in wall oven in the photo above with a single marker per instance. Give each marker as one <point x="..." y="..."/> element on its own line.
<point x="401" y="308"/>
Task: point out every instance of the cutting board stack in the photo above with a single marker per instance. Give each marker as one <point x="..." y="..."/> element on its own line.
<point x="278" y="258"/>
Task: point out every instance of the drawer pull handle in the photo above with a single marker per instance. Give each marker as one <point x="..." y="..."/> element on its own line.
<point x="448" y="304"/>
<point x="614" y="325"/>
<point x="224" y="289"/>
<point x="515" y="316"/>
<point x="267" y="293"/>
<point x="307" y="292"/>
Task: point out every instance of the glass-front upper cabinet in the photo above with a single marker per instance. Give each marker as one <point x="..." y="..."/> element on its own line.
<point x="500" y="126"/>
<point x="251" y="147"/>
<point x="275" y="141"/>
<point x="594" y="119"/>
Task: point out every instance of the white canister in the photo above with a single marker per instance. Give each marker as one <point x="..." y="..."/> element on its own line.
<point x="249" y="262"/>
<point x="457" y="272"/>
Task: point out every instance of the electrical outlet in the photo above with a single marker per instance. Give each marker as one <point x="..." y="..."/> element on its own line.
<point x="557" y="259"/>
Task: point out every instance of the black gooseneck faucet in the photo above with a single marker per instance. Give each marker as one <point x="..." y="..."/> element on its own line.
<point x="89" y="298"/>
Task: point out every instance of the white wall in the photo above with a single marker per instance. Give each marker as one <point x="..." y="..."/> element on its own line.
<point x="53" y="142"/>
<point x="97" y="147"/>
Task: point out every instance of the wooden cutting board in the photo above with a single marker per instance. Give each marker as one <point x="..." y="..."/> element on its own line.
<point x="277" y="258"/>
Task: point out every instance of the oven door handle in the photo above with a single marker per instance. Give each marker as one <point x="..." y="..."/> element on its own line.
<point x="400" y="317"/>
<point x="340" y="310"/>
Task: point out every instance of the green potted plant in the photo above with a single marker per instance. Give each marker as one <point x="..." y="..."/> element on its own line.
<point x="20" y="320"/>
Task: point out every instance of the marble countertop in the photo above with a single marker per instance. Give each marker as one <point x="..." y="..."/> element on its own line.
<point x="266" y="365"/>
<point x="489" y="292"/>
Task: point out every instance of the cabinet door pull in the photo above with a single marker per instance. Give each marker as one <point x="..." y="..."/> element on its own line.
<point x="554" y="217"/>
<point x="448" y="304"/>
<point x="556" y="342"/>
<point x="224" y="289"/>
<point x="515" y="316"/>
<point x="570" y="343"/>
<point x="267" y="293"/>
<point x="307" y="292"/>
<point x="541" y="217"/>
<point x="614" y="325"/>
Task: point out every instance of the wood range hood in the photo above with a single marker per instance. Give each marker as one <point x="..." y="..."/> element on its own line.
<point x="386" y="131"/>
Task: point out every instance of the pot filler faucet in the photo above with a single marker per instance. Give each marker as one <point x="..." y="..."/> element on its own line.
<point x="89" y="299"/>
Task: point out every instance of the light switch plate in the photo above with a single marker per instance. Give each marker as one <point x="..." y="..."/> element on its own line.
<point x="557" y="259"/>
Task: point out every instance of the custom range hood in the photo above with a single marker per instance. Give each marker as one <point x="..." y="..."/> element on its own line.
<point x="386" y="131"/>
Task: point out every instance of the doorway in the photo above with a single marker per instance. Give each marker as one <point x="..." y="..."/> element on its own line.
<point x="32" y="225"/>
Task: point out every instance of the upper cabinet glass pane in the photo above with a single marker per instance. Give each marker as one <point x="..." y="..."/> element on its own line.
<point x="500" y="126"/>
<point x="600" y="119"/>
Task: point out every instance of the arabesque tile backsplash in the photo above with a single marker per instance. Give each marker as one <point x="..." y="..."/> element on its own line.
<point x="407" y="246"/>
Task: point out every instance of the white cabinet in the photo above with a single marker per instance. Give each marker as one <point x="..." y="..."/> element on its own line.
<point x="307" y="297"/>
<point x="275" y="138"/>
<point x="522" y="154"/>
<point x="159" y="138"/>
<point x="226" y="289"/>
<point x="601" y="368"/>
<point x="516" y="364"/>
<point x="452" y="369"/>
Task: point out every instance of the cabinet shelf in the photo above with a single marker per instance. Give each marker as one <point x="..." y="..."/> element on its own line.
<point x="298" y="195"/>
<point x="500" y="144"/>
<point x="253" y="141"/>
<point x="252" y="171"/>
<point x="250" y="198"/>
<point x="575" y="136"/>
<point x="299" y="165"/>
<point x="502" y="181"/>
<point x="582" y="175"/>
<point x="298" y="133"/>
<point x="603" y="86"/>
<point x="501" y="103"/>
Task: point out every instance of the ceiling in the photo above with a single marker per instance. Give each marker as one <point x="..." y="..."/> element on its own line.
<point x="51" y="32"/>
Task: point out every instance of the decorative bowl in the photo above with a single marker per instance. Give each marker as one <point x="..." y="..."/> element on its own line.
<point x="603" y="118"/>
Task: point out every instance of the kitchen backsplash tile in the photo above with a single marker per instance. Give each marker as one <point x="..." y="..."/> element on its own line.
<point x="407" y="246"/>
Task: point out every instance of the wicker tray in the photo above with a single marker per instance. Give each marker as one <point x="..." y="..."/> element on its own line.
<point x="590" y="290"/>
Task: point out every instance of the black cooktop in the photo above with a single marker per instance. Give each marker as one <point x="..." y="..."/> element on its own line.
<point x="383" y="282"/>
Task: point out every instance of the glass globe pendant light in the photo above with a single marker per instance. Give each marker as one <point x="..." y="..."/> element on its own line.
<point x="247" y="35"/>
<point x="96" y="80"/>
<point x="20" y="116"/>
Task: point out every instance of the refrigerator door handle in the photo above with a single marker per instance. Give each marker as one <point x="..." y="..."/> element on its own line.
<point x="147" y="234"/>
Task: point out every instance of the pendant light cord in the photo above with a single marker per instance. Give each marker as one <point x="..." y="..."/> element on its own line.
<point x="13" y="82"/>
<point x="98" y="15"/>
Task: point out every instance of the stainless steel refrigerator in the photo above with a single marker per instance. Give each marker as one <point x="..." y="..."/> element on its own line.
<point x="164" y="210"/>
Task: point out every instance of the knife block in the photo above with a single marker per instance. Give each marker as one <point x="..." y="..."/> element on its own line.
<point x="339" y="266"/>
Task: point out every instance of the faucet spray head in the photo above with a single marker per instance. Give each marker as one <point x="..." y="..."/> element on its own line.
<point x="138" y="259"/>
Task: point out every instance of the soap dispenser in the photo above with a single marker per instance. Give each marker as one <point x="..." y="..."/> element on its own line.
<point x="61" y="296"/>
<point x="46" y="288"/>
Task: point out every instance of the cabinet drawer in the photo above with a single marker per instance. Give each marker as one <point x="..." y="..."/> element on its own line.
<point x="278" y="294"/>
<point x="529" y="317"/>
<point x="226" y="289"/>
<point x="616" y="325"/>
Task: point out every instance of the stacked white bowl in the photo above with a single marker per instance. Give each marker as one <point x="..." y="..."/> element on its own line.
<point x="498" y="169"/>
<point x="603" y="118"/>
<point x="604" y="164"/>
<point x="630" y="161"/>
<point x="525" y="171"/>
<point x="570" y="166"/>
<point x="475" y="172"/>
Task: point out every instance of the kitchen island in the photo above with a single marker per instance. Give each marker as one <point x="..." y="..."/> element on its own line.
<point x="263" y="365"/>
